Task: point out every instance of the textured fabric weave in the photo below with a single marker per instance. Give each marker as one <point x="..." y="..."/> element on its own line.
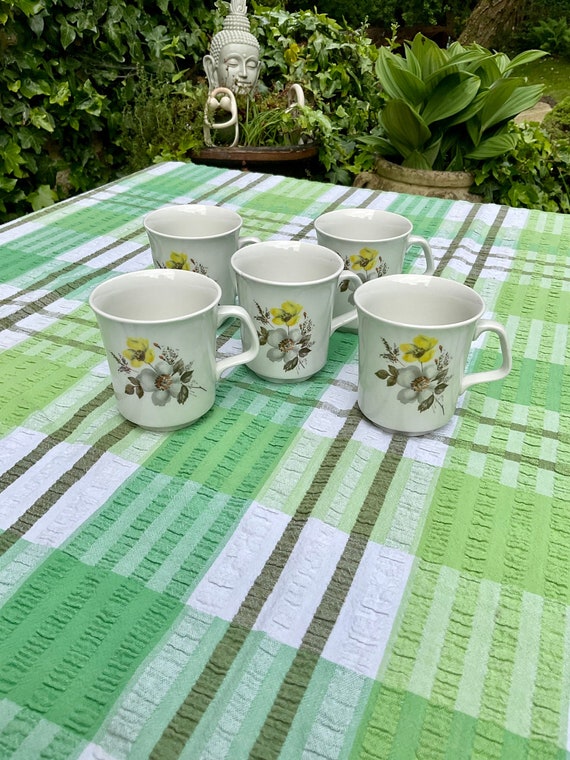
<point x="282" y="579"/>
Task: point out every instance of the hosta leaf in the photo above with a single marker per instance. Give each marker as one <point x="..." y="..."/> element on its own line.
<point x="452" y="94"/>
<point x="527" y="56"/>
<point x="404" y="127"/>
<point x="506" y="99"/>
<point x="429" y="56"/>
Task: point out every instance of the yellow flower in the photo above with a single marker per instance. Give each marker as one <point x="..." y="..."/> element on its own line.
<point x="288" y="314"/>
<point x="138" y="352"/>
<point x="365" y="259"/>
<point x="421" y="350"/>
<point x="178" y="261"/>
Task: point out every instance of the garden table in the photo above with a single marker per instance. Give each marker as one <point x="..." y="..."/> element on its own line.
<point x="282" y="578"/>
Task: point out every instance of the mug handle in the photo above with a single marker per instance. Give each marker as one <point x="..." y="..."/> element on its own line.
<point x="348" y="316"/>
<point x="247" y="241"/>
<point x="485" y="325"/>
<point x="252" y="340"/>
<point x="425" y="246"/>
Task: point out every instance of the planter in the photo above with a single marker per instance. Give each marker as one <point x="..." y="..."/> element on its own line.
<point x="433" y="184"/>
<point x="289" y="160"/>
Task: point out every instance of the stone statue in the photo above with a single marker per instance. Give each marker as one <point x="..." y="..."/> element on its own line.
<point x="232" y="68"/>
<point x="233" y="61"/>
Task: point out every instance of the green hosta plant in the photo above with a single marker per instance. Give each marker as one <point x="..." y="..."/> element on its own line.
<point x="446" y="108"/>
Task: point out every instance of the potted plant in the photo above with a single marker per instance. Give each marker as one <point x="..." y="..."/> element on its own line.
<point x="444" y="110"/>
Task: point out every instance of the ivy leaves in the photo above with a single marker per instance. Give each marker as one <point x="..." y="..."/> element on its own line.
<point x="67" y="71"/>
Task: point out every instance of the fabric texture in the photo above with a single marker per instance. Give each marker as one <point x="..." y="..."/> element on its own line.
<point x="282" y="579"/>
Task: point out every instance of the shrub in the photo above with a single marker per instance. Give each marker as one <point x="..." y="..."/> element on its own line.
<point x="556" y="123"/>
<point x="67" y="69"/>
<point x="533" y="174"/>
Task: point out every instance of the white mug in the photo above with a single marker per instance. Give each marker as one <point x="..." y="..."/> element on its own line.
<point x="198" y="238"/>
<point x="415" y="333"/>
<point x="159" y="332"/>
<point x="288" y="289"/>
<point x="371" y="242"/>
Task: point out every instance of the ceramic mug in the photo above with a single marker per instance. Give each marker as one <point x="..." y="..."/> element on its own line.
<point x="415" y="333"/>
<point x="159" y="332"/>
<point x="288" y="289"/>
<point x="197" y="238"/>
<point x="371" y="242"/>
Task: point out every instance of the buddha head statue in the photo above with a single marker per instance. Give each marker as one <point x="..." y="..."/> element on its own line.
<point x="233" y="61"/>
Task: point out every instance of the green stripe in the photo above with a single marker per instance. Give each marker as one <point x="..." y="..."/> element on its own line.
<point x="66" y="652"/>
<point x="190" y="712"/>
<point x="282" y="714"/>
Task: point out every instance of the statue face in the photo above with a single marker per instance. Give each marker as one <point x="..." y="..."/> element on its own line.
<point x="238" y="67"/>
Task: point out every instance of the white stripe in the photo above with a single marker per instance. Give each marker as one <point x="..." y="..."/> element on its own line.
<point x="95" y="752"/>
<point x="16" y="445"/>
<point x="22" y="493"/>
<point x="19" y="231"/>
<point x="289" y="609"/>
<point x="88" y="248"/>
<point x="80" y="501"/>
<point x="362" y="631"/>
<point x="224" y="587"/>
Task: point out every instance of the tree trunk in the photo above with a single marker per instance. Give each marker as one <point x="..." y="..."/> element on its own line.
<point x="492" y="21"/>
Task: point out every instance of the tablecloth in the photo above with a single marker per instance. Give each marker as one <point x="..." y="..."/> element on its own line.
<point x="281" y="579"/>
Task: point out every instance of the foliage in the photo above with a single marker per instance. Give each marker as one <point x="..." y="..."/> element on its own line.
<point x="67" y="69"/>
<point x="386" y="12"/>
<point x="535" y="173"/>
<point x="446" y="106"/>
<point x="556" y="124"/>
<point x="335" y="66"/>
<point x="333" y="63"/>
<point x="162" y="122"/>
<point x="552" y="35"/>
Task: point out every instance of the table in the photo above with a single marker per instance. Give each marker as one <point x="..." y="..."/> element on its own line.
<point x="282" y="579"/>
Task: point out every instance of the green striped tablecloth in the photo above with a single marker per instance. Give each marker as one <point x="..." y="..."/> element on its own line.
<point x="281" y="579"/>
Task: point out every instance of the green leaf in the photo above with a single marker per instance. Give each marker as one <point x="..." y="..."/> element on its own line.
<point x="452" y="95"/>
<point x="527" y="56"/>
<point x="67" y="34"/>
<point x="429" y="56"/>
<point x="404" y="127"/>
<point x="40" y="118"/>
<point x="42" y="197"/>
<point x="505" y="100"/>
<point x="493" y="146"/>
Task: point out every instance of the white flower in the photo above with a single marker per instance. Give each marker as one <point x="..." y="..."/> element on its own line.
<point x="285" y="344"/>
<point x="418" y="384"/>
<point x="161" y="381"/>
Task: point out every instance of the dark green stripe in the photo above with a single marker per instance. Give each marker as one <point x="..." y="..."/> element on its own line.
<point x="69" y="478"/>
<point x="62" y="290"/>
<point x="278" y="723"/>
<point x="459" y="237"/>
<point x="55" y="438"/>
<point x="483" y="254"/>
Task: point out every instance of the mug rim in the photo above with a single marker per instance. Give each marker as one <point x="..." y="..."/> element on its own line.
<point x="358" y="213"/>
<point x="277" y="246"/>
<point x="429" y="281"/>
<point x="237" y="220"/>
<point x="149" y="275"/>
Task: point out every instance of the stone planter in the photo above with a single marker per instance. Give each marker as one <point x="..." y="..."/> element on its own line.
<point x="401" y="179"/>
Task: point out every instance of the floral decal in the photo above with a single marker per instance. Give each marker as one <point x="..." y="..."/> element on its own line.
<point x="182" y="261"/>
<point x="166" y="378"/>
<point x="287" y="331"/>
<point x="367" y="263"/>
<point x="419" y="369"/>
